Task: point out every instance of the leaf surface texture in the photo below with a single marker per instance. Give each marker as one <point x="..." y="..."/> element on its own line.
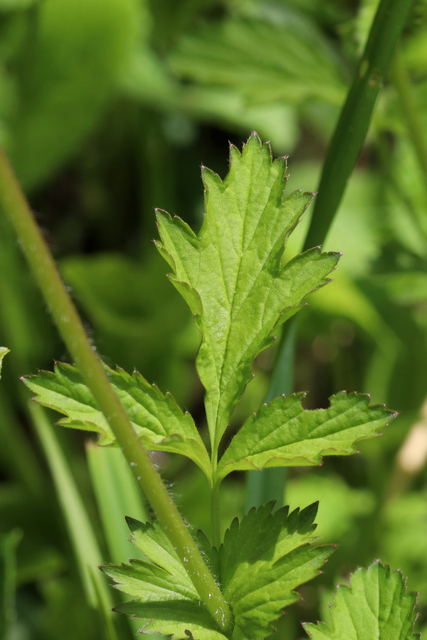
<point x="263" y="559"/>
<point x="156" y="418"/>
<point x="233" y="276"/>
<point x="283" y="433"/>
<point x="376" y="606"/>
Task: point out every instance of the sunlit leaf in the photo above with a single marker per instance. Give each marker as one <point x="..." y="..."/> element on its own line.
<point x="233" y="275"/>
<point x="376" y="606"/>
<point x="156" y="418"/>
<point x="284" y="434"/>
<point x="263" y="559"/>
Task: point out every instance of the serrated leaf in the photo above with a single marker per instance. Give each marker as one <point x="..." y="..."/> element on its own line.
<point x="376" y="606"/>
<point x="233" y="276"/>
<point x="167" y="601"/>
<point x="283" y="433"/>
<point x="156" y="418"/>
<point x="3" y="352"/>
<point x="263" y="559"/>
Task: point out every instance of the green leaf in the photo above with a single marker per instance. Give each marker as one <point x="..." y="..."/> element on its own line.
<point x="376" y="606"/>
<point x="3" y="352"/>
<point x="156" y="418"/>
<point x="288" y="63"/>
<point x="167" y="601"/>
<point x="233" y="276"/>
<point x="263" y="559"/>
<point x="284" y="434"/>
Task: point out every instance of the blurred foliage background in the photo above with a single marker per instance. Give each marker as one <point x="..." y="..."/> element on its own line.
<point x="107" y="110"/>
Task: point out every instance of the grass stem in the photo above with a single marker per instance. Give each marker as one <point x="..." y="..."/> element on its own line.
<point x="355" y="117"/>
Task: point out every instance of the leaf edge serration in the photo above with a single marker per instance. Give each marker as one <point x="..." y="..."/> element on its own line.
<point x="312" y="627"/>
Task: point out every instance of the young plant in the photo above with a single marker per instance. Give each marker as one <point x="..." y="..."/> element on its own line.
<point x="240" y="289"/>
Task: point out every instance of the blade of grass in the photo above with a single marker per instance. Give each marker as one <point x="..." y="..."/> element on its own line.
<point x="117" y="496"/>
<point x="72" y="332"/>
<point x="104" y="607"/>
<point x="353" y="123"/>
<point x="79" y="526"/>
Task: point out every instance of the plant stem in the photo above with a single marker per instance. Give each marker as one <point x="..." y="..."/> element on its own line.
<point x="71" y="329"/>
<point x="215" y="516"/>
<point x="410" y="111"/>
<point x="353" y="123"/>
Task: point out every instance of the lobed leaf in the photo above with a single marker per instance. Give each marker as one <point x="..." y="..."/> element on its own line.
<point x="165" y="598"/>
<point x="283" y="433"/>
<point x="263" y="559"/>
<point x="376" y="606"/>
<point x="156" y="418"/>
<point x="233" y="276"/>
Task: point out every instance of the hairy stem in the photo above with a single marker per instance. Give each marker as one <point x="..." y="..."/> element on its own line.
<point x="71" y="329"/>
<point x="353" y="123"/>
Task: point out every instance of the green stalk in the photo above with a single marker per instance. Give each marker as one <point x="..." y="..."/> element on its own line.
<point x="215" y="516"/>
<point x="410" y="111"/>
<point x="353" y="123"/>
<point x="71" y="329"/>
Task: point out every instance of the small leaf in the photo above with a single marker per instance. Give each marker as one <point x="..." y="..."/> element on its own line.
<point x="284" y="434"/>
<point x="156" y="418"/>
<point x="3" y="352"/>
<point x="376" y="606"/>
<point x="233" y="276"/>
<point x="263" y="560"/>
<point x="167" y="601"/>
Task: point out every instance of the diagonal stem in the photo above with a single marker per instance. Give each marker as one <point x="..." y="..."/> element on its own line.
<point x="71" y="329"/>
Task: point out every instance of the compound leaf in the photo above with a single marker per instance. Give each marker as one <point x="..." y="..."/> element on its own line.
<point x="166" y="599"/>
<point x="282" y="433"/>
<point x="263" y="559"/>
<point x="376" y="606"/>
<point x="232" y="274"/>
<point x="156" y="418"/>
